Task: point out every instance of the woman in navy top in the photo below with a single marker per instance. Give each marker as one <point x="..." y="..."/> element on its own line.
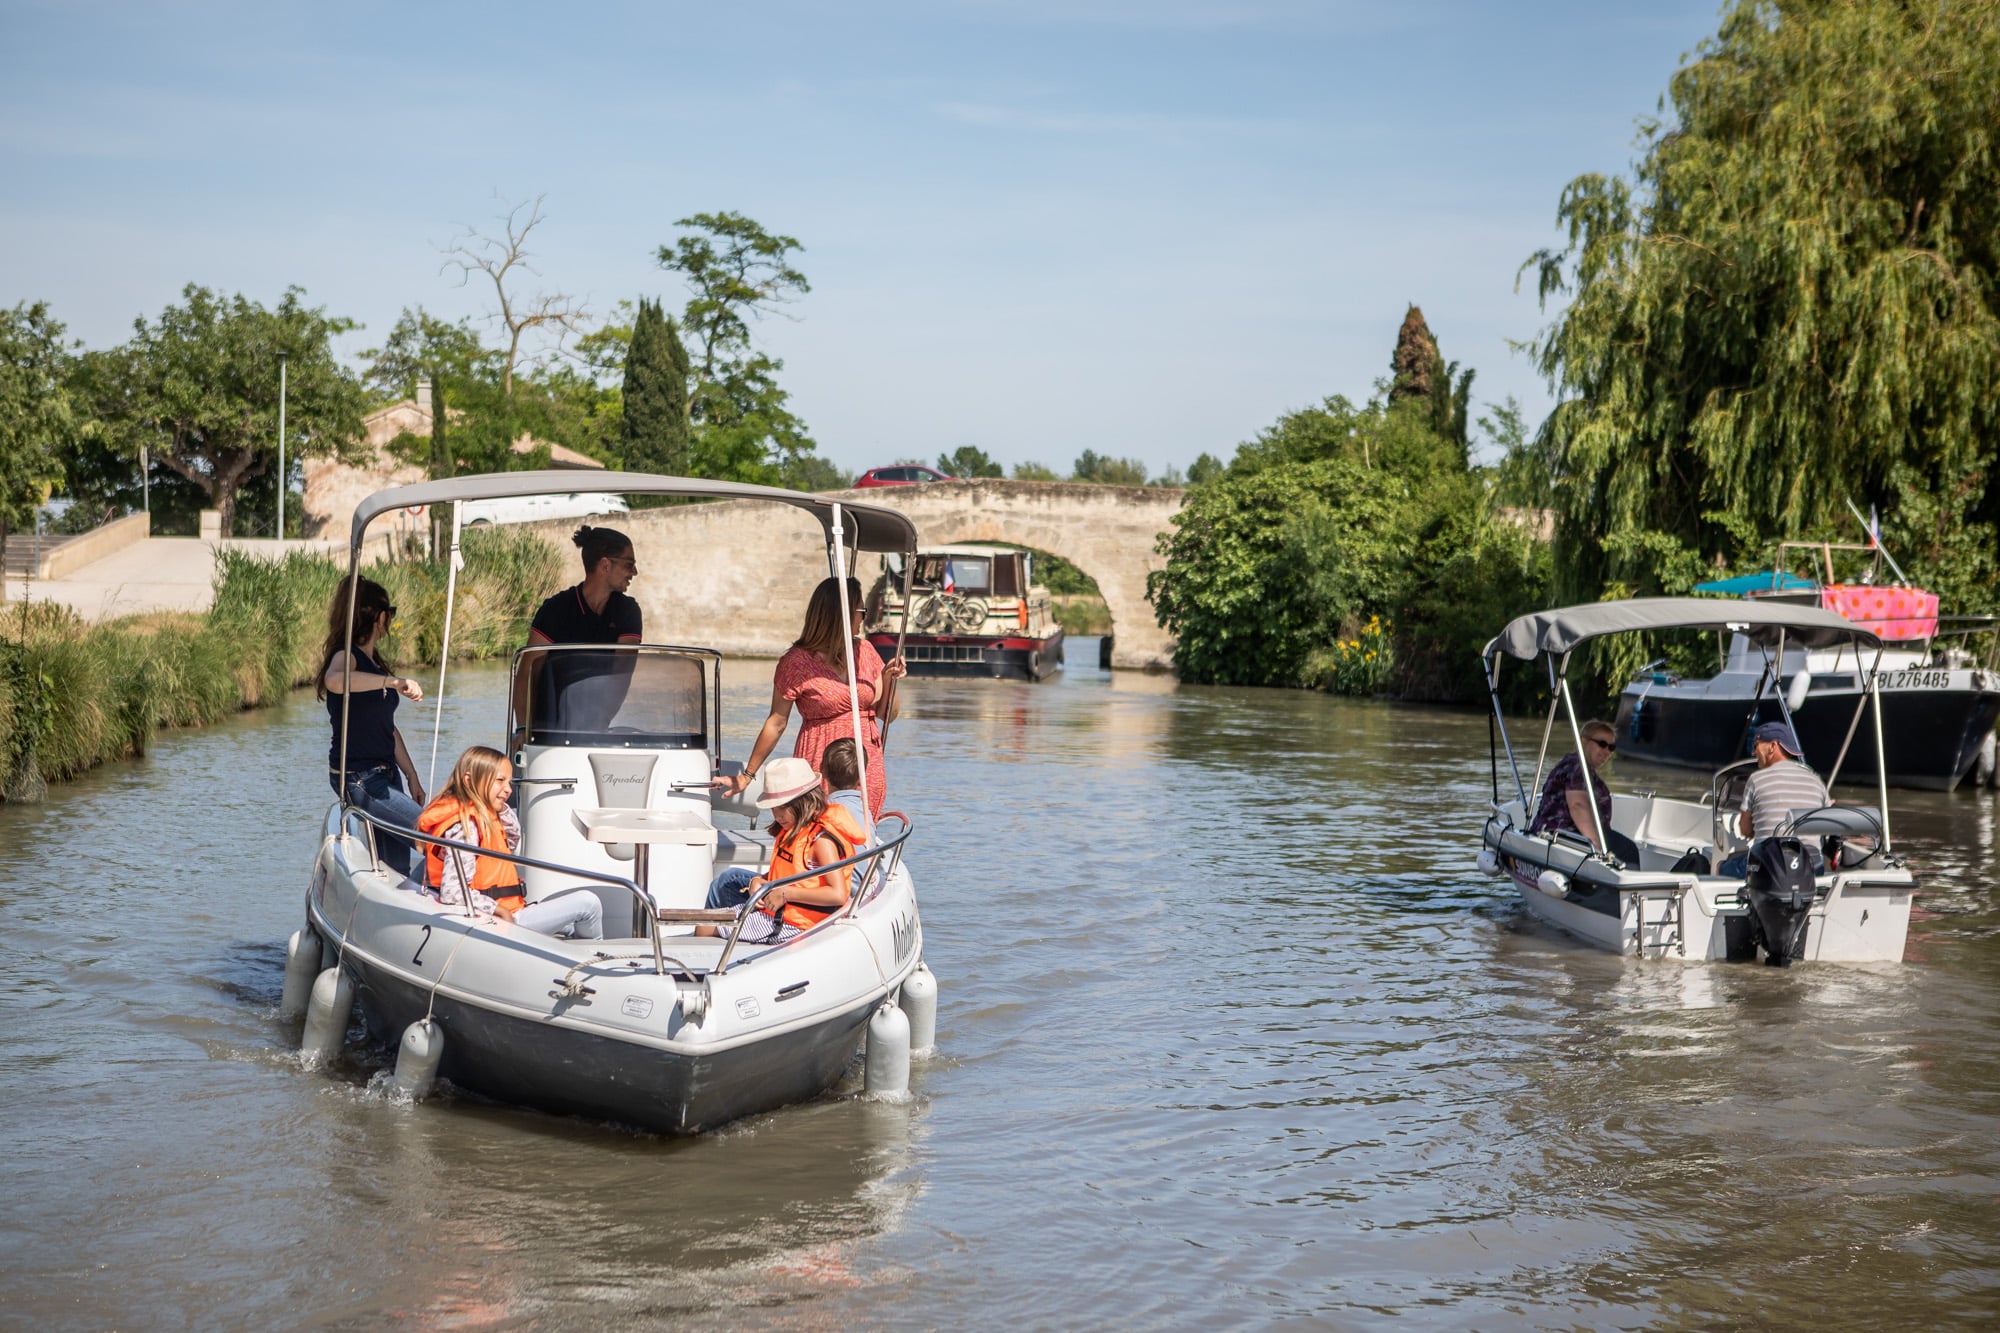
<point x="378" y="764"/>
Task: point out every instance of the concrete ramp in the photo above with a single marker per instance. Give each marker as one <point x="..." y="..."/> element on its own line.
<point x="149" y="574"/>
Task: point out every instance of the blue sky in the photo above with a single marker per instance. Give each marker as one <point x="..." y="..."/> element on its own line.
<point x="1142" y="228"/>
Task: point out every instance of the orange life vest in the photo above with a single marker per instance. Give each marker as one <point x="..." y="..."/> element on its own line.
<point x="497" y="879"/>
<point x="788" y="858"/>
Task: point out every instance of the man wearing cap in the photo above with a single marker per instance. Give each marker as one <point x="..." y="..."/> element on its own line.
<point x="1781" y="785"/>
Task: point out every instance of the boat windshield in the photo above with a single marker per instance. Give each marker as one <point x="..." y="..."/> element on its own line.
<point x="622" y="695"/>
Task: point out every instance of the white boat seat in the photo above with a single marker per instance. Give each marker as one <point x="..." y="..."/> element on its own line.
<point x="742" y="847"/>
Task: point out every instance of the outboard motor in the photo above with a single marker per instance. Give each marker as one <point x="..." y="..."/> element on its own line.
<point x="1780" y="891"/>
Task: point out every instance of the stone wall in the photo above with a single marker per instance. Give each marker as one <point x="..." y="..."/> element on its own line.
<point x="733" y="576"/>
<point x="334" y="490"/>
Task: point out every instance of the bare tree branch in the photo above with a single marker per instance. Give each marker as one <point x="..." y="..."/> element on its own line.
<point x="474" y="251"/>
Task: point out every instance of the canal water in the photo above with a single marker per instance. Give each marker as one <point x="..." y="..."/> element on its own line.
<point x="1232" y="1034"/>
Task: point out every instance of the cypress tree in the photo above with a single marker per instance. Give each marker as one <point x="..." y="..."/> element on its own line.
<point x="655" y="431"/>
<point x="679" y="431"/>
<point x="1414" y="365"/>
<point x="1419" y="370"/>
<point x="441" y="464"/>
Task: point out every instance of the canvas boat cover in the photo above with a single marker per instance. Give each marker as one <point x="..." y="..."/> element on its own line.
<point x="869" y="527"/>
<point x="1892" y="612"/>
<point x="1560" y="631"/>
<point x="1764" y="580"/>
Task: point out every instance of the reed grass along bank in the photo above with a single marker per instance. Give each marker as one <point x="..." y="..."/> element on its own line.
<point x="73" y="696"/>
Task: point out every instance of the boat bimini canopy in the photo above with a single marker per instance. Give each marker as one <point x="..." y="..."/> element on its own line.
<point x="1559" y="632"/>
<point x="847" y="527"/>
<point x="872" y="527"/>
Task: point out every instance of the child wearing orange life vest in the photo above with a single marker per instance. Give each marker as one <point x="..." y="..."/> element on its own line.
<point x="806" y="833"/>
<point x="474" y="808"/>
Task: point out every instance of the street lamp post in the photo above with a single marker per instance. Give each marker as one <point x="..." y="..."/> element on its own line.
<point x="281" y="446"/>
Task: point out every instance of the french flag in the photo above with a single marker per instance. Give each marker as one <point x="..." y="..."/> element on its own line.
<point x="950" y="584"/>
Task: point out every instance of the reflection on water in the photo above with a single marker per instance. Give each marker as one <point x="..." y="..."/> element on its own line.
<point x="1231" y="1032"/>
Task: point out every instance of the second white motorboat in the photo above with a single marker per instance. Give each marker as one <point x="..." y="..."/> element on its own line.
<point x="1670" y="902"/>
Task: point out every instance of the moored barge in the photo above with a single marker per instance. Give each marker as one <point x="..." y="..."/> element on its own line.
<point x="975" y="611"/>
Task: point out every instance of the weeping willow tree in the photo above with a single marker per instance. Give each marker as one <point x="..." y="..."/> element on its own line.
<point x="1789" y="305"/>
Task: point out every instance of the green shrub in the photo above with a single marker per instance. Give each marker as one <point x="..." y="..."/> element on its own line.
<point x="1356" y="664"/>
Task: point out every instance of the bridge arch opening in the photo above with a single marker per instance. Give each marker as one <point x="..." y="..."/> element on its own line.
<point x="1109" y="534"/>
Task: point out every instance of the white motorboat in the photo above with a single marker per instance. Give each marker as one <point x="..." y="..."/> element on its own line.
<point x="652" y="1026"/>
<point x="1664" y="899"/>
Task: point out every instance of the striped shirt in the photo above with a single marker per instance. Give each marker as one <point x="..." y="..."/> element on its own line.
<point x="1774" y="793"/>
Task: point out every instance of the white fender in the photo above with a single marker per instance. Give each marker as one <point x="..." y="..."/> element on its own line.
<point x="1795" y="694"/>
<point x="919" y="1005"/>
<point x="327" y="1013"/>
<point x="417" y="1058"/>
<point x="1554" y="883"/>
<point x="888" y="1070"/>
<point x="301" y="966"/>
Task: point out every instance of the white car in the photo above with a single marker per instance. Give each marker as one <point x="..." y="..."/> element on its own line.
<point x="529" y="508"/>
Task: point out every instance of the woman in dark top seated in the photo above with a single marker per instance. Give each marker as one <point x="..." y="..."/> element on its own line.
<point x="377" y="761"/>
<point x="1566" y="806"/>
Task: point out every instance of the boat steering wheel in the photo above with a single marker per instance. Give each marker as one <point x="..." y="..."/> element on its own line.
<point x="1725" y="801"/>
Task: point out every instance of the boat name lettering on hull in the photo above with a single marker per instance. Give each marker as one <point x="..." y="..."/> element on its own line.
<point x="904" y="930"/>
<point x="1916" y="680"/>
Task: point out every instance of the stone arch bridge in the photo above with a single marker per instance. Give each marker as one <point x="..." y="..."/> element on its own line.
<point x="737" y="574"/>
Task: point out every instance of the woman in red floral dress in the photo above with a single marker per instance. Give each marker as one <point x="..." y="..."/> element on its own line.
<point x="812" y="675"/>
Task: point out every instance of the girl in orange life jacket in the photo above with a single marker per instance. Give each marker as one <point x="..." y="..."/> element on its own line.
<point x="807" y="832"/>
<point x="473" y="807"/>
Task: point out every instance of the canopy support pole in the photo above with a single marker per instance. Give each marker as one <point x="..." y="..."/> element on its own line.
<point x="1548" y="725"/>
<point x="444" y="652"/>
<point x="1500" y="725"/>
<point x="1881" y="762"/>
<point x="1860" y="707"/>
<point x="902" y="633"/>
<point x="1602" y="842"/>
<point x="837" y="540"/>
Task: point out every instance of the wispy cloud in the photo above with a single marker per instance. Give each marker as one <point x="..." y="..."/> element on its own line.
<point x="1108" y="122"/>
<point x="1287" y="16"/>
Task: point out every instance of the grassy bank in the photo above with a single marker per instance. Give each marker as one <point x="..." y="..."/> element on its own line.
<point x="73" y="696"/>
<point x="1081" y="613"/>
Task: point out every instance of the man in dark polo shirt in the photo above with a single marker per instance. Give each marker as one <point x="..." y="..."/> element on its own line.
<point x="594" y="611"/>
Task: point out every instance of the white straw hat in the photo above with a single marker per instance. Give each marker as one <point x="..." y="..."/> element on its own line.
<point x="785" y="780"/>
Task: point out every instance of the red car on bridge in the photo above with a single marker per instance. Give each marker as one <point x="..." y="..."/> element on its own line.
<point x="902" y="474"/>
